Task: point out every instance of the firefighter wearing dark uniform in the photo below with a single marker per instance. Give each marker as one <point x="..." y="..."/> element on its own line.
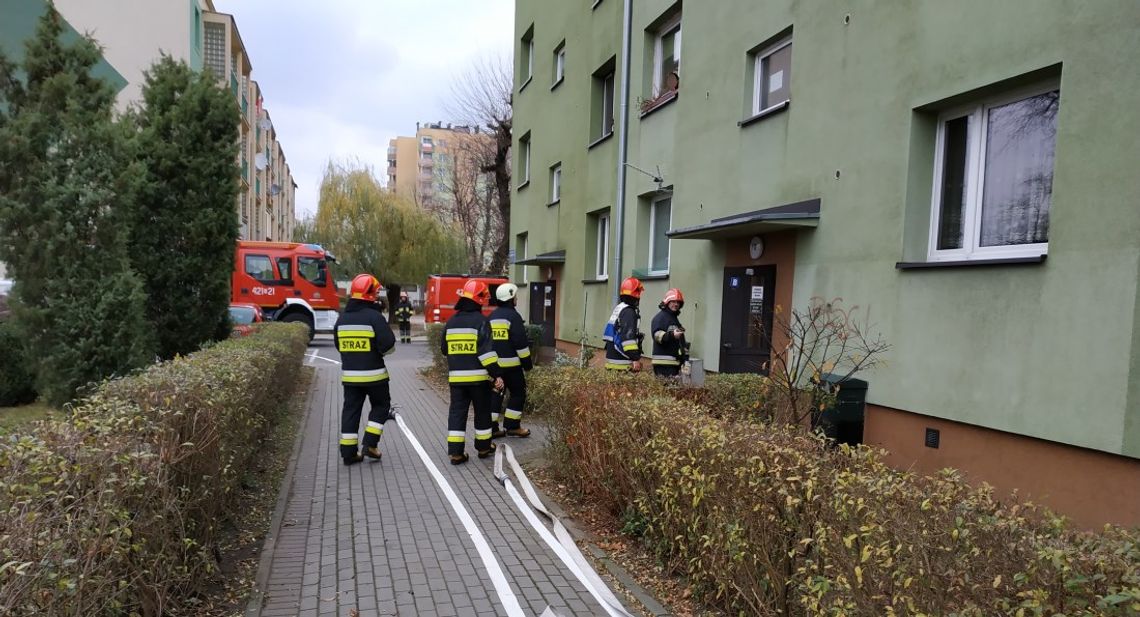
<point x="363" y="337"/>
<point x="513" y="349"/>
<point x="472" y="365"/>
<point x="404" y="317"/>
<point x="669" y="345"/>
<point x="623" y="340"/>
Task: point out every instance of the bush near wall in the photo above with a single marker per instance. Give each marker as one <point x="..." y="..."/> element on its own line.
<point x="764" y="519"/>
<point x="17" y="385"/>
<point x="116" y="510"/>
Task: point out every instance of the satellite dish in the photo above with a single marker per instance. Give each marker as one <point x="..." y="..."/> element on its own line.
<point x="260" y="161"/>
<point x="274" y="190"/>
<point x="265" y="124"/>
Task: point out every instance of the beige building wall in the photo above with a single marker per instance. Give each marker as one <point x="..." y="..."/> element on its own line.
<point x="417" y="166"/>
<point x="403" y="154"/>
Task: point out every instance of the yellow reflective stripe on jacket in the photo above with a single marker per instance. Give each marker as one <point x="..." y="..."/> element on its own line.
<point x="356" y="331"/>
<point x="462" y="334"/>
<point x="615" y="366"/>
<point x="374" y="375"/>
<point x="509" y="362"/>
<point x="524" y="352"/>
<point x="473" y="376"/>
<point x="630" y="346"/>
<point x="489" y="358"/>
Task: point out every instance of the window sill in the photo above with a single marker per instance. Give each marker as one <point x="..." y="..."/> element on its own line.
<point x="968" y="263"/>
<point x="771" y="111"/>
<point x="526" y="83"/>
<point x="600" y="140"/>
<point x="595" y="281"/>
<point x="596" y="3"/>
<point x="523" y="185"/>
<point x="557" y="83"/>
<point x="662" y="101"/>
<point x="553" y="203"/>
<point x="661" y="276"/>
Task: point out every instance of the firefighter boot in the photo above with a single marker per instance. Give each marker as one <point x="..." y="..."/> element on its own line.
<point x="518" y="432"/>
<point x="458" y="459"/>
<point x="354" y="459"/>
<point x="372" y="453"/>
<point x="490" y="451"/>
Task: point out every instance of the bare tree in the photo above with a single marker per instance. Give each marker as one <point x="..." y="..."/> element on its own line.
<point x="481" y="97"/>
<point x="471" y="203"/>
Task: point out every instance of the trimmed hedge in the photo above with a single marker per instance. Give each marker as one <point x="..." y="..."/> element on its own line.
<point x="17" y="385"/>
<point x="765" y="519"/>
<point x="116" y="511"/>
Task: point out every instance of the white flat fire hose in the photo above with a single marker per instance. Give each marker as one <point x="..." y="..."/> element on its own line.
<point x="560" y="540"/>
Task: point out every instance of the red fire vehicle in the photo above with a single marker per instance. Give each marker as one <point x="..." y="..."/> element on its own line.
<point x="443" y="291"/>
<point x="289" y="281"/>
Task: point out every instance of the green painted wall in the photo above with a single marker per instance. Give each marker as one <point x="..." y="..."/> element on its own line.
<point x="19" y="24"/>
<point x="1050" y="351"/>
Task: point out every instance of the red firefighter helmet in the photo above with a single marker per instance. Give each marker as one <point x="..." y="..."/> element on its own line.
<point x="674" y="295"/>
<point x="631" y="287"/>
<point x="477" y="291"/>
<point x="365" y="287"/>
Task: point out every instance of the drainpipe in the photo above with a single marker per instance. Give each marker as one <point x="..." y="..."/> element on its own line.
<point x="623" y="144"/>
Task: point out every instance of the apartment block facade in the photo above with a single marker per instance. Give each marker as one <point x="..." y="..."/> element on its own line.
<point x="133" y="34"/>
<point x="420" y="167"/>
<point x="962" y="174"/>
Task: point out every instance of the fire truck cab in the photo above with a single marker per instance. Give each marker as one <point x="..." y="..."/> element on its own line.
<point x="290" y="282"/>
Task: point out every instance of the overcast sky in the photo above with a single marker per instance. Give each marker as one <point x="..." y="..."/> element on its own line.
<point x="342" y="77"/>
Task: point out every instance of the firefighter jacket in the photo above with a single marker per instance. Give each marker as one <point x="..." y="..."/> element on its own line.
<point x="667" y="349"/>
<point x="623" y="341"/>
<point x="509" y="334"/>
<point x="467" y="344"/>
<point x="363" y="337"/>
<point x="404" y="311"/>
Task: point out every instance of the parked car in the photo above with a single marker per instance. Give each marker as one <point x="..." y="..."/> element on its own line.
<point x="244" y="315"/>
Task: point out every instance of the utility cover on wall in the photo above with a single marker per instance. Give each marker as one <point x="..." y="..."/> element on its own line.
<point x="756" y="247"/>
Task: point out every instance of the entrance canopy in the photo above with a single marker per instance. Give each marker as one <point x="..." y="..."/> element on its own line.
<point x="553" y="258"/>
<point x="800" y="215"/>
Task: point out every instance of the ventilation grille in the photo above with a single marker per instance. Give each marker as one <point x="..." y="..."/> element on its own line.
<point x="932" y="437"/>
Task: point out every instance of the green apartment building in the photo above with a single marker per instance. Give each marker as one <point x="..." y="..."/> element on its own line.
<point x="967" y="173"/>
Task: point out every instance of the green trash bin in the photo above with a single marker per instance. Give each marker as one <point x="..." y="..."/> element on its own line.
<point x="843" y="419"/>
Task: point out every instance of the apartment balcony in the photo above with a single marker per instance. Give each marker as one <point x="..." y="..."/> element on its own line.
<point x="391" y="152"/>
<point x="427" y="148"/>
<point x="392" y="171"/>
<point x="427" y="163"/>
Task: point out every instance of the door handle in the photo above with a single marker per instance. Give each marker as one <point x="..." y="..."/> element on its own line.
<point x="727" y="345"/>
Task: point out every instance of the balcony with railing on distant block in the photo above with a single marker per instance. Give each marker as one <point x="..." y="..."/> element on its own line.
<point x="427" y="148"/>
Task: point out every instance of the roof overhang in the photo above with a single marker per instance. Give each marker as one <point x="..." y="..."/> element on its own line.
<point x="799" y="215"/>
<point x="544" y="259"/>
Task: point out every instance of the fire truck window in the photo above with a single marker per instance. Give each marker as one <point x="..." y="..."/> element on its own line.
<point x="313" y="270"/>
<point x="259" y="267"/>
<point x="285" y="268"/>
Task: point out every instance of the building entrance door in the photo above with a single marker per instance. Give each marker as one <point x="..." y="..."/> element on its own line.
<point x="746" y="319"/>
<point x="543" y="301"/>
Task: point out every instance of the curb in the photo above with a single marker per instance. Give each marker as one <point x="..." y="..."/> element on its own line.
<point x="257" y="596"/>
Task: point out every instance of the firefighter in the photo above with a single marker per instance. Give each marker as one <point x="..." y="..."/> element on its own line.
<point x="670" y="349"/>
<point x="404" y="316"/>
<point x="472" y="366"/>
<point x="363" y="337"/>
<point x="513" y="349"/>
<point x="623" y="340"/>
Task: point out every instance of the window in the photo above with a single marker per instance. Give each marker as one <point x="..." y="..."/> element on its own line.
<point x="556" y="183"/>
<point x="285" y="267"/>
<point x="522" y="245"/>
<point x="259" y="267"/>
<point x="559" y="63"/>
<point x="526" y="58"/>
<point x="425" y="141"/>
<point x="667" y="57"/>
<point x="993" y="178"/>
<point x="313" y="270"/>
<point x="427" y="156"/>
<point x="601" y="269"/>
<point x="215" y="43"/>
<point x="602" y="104"/>
<point x="524" y="158"/>
<point x="660" y="217"/>
<point x="772" y="82"/>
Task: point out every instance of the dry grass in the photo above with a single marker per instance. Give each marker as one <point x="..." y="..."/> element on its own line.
<point x="13" y="418"/>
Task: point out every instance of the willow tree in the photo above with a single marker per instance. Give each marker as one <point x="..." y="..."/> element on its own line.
<point x="371" y="229"/>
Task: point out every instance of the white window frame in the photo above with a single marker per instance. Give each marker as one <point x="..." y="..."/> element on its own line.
<point x="978" y="116"/>
<point x="658" y="51"/>
<point x="556" y="183"/>
<point x="524" y="145"/>
<point x="425" y="141"/>
<point x="529" y="59"/>
<point x="758" y="79"/>
<point x="602" y="252"/>
<point x="526" y="249"/>
<point x="559" y="64"/>
<point x="652" y="234"/>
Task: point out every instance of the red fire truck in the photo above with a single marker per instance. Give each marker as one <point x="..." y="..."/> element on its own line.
<point x="443" y="291"/>
<point x="289" y="281"/>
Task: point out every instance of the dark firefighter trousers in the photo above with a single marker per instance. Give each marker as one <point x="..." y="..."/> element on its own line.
<point x="405" y="329"/>
<point x="463" y="397"/>
<point x="515" y="380"/>
<point x="380" y="397"/>
<point x="666" y="370"/>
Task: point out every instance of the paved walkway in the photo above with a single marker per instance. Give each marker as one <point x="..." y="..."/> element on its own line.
<point x="380" y="537"/>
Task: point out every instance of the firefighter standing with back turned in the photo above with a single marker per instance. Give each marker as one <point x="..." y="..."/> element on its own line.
<point x="404" y="316"/>
<point x="623" y="340"/>
<point x="363" y="337"/>
<point x="513" y="348"/>
<point x="472" y="364"/>
<point x="669" y="345"/>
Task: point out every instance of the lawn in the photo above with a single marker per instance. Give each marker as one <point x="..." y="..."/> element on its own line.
<point x="13" y="417"/>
